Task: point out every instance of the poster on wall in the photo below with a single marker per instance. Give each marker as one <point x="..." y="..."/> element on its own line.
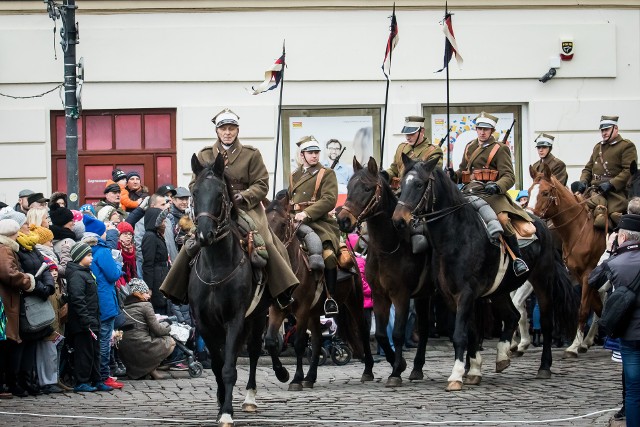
<point x="463" y="131"/>
<point x="352" y="135"/>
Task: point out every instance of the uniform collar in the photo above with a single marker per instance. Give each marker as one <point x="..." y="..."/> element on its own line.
<point x="490" y="141"/>
<point x="613" y="141"/>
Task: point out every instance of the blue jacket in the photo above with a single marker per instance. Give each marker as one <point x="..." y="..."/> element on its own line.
<point x="107" y="271"/>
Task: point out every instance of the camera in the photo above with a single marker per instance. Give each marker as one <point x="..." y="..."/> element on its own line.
<point x="548" y="76"/>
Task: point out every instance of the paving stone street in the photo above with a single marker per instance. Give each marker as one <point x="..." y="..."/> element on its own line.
<point x="583" y="391"/>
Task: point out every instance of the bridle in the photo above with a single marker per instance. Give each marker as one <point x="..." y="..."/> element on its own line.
<point x="369" y="208"/>
<point x="223" y="221"/>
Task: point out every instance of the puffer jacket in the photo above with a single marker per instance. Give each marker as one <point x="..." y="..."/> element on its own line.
<point x="84" y="308"/>
<point x="107" y="271"/>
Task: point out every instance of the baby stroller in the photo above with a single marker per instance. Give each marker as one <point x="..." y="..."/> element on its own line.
<point x="183" y="334"/>
<point x="332" y="345"/>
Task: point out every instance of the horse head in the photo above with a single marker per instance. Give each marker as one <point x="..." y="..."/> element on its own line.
<point x="634" y="181"/>
<point x="545" y="192"/>
<point x="212" y="207"/>
<point x="278" y="215"/>
<point x="413" y="187"/>
<point x="364" y="190"/>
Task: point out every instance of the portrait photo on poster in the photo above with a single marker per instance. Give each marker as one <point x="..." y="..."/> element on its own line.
<point x="341" y="134"/>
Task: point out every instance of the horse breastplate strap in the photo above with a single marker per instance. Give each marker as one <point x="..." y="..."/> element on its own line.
<point x="488" y="218"/>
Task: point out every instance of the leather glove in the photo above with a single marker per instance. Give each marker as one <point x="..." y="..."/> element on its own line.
<point x="578" y="187"/>
<point x="452" y="175"/>
<point x="385" y="175"/>
<point x="491" y="188"/>
<point x="605" y="187"/>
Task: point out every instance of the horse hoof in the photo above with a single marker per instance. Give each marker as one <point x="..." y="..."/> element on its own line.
<point x="295" y="387"/>
<point x="282" y="375"/>
<point x="307" y="384"/>
<point x="454" y="386"/>
<point x="473" y="380"/>
<point x="543" y="374"/>
<point x="514" y="347"/>
<point x="416" y="376"/>
<point x="249" y="407"/>
<point x="517" y="353"/>
<point x="366" y="377"/>
<point x="502" y="365"/>
<point x="569" y="355"/>
<point x="582" y="349"/>
<point x="393" y="382"/>
<point x="225" y="421"/>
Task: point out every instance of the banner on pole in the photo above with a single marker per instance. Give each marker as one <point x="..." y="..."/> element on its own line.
<point x="272" y="77"/>
<point x="391" y="44"/>
<point x="450" y="45"/>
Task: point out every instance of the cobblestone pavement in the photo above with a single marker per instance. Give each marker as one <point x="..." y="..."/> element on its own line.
<point x="584" y="391"/>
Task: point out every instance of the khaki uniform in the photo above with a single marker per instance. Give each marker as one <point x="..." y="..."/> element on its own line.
<point x="301" y="189"/>
<point x="506" y="177"/>
<point x="610" y="162"/>
<point x="248" y="175"/>
<point x="557" y="166"/>
<point x="424" y="150"/>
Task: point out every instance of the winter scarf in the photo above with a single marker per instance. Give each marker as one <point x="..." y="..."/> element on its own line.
<point x="28" y="241"/>
<point x="61" y="233"/>
<point x="129" y="267"/>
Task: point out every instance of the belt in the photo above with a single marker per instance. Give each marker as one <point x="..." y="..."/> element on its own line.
<point x="299" y="207"/>
<point x="602" y="178"/>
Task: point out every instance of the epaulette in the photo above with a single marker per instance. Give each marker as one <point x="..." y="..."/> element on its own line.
<point x="249" y="147"/>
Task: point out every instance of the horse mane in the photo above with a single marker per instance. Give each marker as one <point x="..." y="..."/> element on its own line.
<point x="276" y="204"/>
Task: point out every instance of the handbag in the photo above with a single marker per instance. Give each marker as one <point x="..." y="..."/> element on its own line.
<point x="35" y="314"/>
<point x="619" y="307"/>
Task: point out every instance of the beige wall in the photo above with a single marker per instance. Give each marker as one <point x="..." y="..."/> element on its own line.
<point x="201" y="62"/>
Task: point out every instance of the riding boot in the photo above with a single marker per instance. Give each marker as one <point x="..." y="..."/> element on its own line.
<point x="519" y="266"/>
<point x="331" y="278"/>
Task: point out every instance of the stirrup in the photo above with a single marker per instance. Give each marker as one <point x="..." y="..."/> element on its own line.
<point x="520" y="267"/>
<point x="282" y="305"/>
<point x="330" y="306"/>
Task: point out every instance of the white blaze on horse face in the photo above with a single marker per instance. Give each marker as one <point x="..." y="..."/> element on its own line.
<point x="533" y="196"/>
<point x="410" y="177"/>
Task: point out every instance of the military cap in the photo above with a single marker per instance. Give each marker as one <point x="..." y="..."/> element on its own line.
<point x="308" y="143"/>
<point x="608" y="121"/>
<point x="486" y="120"/>
<point x="544" y="140"/>
<point x="226" y="117"/>
<point x="412" y="124"/>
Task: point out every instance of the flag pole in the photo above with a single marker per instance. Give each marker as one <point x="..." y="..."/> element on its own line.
<point x="386" y="95"/>
<point x="446" y="11"/>
<point x="275" y="170"/>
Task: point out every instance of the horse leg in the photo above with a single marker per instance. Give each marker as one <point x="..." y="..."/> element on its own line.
<point x="254" y="347"/>
<point x="474" y="376"/>
<point x="316" y="343"/>
<point x="229" y="371"/>
<point x="519" y="298"/>
<point x="464" y="313"/>
<point x="545" y="301"/>
<point x="423" y="306"/>
<point x="572" y="350"/>
<point x="381" y="307"/>
<point x="595" y="301"/>
<point x="354" y="306"/>
<point x="509" y="316"/>
<point x="271" y="344"/>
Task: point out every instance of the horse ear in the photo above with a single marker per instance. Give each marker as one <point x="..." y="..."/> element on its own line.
<point x="431" y="164"/>
<point x="633" y="167"/>
<point x="546" y="172"/>
<point x="356" y="164"/>
<point x="196" y="166"/>
<point x="532" y="172"/>
<point x="372" y="166"/>
<point x="407" y="162"/>
<point x="218" y="165"/>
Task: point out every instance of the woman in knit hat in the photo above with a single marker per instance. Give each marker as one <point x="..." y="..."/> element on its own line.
<point x="12" y="282"/>
<point x="147" y="343"/>
<point x="63" y="236"/>
<point x="128" y="251"/>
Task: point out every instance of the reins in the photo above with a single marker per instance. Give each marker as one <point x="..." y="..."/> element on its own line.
<point x="224" y="279"/>
<point x="369" y="207"/>
<point x="222" y="222"/>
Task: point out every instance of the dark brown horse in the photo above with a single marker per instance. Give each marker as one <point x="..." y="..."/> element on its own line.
<point x="582" y="244"/>
<point x="308" y="304"/>
<point x="394" y="273"/>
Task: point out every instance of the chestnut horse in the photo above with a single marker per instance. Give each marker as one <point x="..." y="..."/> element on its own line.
<point x="582" y="244"/>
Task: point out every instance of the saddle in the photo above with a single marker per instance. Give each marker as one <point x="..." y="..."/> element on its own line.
<point x="252" y="242"/>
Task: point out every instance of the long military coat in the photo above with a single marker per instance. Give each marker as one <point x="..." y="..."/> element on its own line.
<point x="610" y="162"/>
<point x="501" y="162"/>
<point x="303" y="184"/>
<point x="557" y="166"/>
<point x="424" y="150"/>
<point x="248" y="175"/>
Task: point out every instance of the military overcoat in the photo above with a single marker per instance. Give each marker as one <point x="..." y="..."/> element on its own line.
<point x="557" y="167"/>
<point x="425" y="150"/>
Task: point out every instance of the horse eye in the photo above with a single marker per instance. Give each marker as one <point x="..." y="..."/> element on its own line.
<point x="367" y="189"/>
<point x="544" y="193"/>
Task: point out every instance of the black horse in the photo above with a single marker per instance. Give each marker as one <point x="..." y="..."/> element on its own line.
<point x="470" y="266"/>
<point x="394" y="273"/>
<point x="634" y="181"/>
<point x="229" y="307"/>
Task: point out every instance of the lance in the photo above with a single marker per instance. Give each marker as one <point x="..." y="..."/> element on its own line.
<point x="275" y="170"/>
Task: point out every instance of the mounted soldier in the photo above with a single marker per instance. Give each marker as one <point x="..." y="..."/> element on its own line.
<point x="544" y="145"/>
<point x="249" y="182"/>
<point x="487" y="170"/>
<point x="605" y="176"/>
<point x="313" y="192"/>
<point x="417" y="147"/>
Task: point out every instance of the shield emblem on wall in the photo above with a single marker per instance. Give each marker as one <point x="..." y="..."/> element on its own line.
<point x="567" y="50"/>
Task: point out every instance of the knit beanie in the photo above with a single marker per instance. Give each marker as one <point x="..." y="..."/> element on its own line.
<point x="77" y="215"/>
<point x="60" y="215"/>
<point x="118" y="174"/>
<point x="105" y="213"/>
<point x="132" y="174"/>
<point x="18" y="217"/>
<point x="88" y="209"/>
<point x="79" y="251"/>
<point x="44" y="234"/>
<point x="138" y="285"/>
<point x="51" y="264"/>
<point x="125" y="227"/>
<point x="92" y="225"/>
<point x="8" y="227"/>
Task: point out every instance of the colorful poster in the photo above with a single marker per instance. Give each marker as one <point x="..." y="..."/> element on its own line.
<point x="463" y="132"/>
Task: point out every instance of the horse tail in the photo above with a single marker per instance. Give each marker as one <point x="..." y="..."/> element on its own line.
<point x="566" y="302"/>
<point x="348" y="324"/>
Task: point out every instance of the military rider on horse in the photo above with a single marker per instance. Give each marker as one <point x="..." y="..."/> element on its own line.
<point x="313" y="192"/>
<point x="486" y="169"/>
